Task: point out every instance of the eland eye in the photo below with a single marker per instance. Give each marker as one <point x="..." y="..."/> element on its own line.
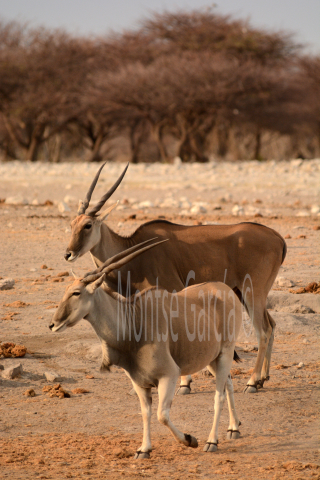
<point x="76" y="294"/>
<point x="88" y="226"/>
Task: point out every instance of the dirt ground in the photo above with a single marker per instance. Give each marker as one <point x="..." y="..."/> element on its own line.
<point x="95" y="435"/>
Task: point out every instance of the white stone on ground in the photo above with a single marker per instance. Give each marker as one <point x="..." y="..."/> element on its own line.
<point x="6" y="283"/>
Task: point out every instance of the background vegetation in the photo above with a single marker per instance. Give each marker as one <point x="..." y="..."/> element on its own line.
<point x="194" y="85"/>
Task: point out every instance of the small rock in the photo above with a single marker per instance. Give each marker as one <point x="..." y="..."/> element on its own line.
<point x="17" y="200"/>
<point x="315" y="209"/>
<point x="198" y="209"/>
<point x="285" y="282"/>
<point x="6" y="284"/>
<point x="300" y="365"/>
<point x="316" y="227"/>
<point x="44" y="267"/>
<point x="69" y="199"/>
<point x="303" y="213"/>
<point x="63" y="274"/>
<point x="12" y="372"/>
<point x="1" y="367"/>
<point x="237" y="211"/>
<point x="145" y="204"/>
<point x="287" y="236"/>
<point x="30" y="393"/>
<point x="305" y="341"/>
<point x="35" y="202"/>
<point x="303" y="309"/>
<point x="51" y="376"/>
<point x="80" y="390"/>
<point x="63" y="207"/>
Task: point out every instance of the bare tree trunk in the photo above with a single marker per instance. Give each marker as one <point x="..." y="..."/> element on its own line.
<point x="95" y="155"/>
<point x="136" y="136"/>
<point x="257" y="150"/>
<point x="32" y="150"/>
<point x="198" y="150"/>
<point x="158" y="137"/>
<point x="223" y="139"/>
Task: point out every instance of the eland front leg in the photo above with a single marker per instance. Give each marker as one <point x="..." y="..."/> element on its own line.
<point x="145" y="398"/>
<point x="166" y="390"/>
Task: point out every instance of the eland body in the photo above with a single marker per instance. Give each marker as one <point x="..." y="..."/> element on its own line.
<point x="162" y="336"/>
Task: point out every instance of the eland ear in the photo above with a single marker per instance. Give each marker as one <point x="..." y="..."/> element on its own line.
<point x="103" y="215"/>
<point x="92" y="287"/>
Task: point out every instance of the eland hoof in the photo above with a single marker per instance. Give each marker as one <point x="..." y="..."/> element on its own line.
<point x="184" y="390"/>
<point x="210" y="447"/>
<point x="250" y="389"/>
<point x="233" y="434"/>
<point x="192" y="441"/>
<point x="141" y="455"/>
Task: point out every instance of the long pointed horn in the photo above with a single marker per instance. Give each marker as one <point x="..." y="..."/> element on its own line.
<point x="85" y="204"/>
<point x="128" y="258"/>
<point x="105" y="197"/>
<point x="119" y="256"/>
<point x="121" y="259"/>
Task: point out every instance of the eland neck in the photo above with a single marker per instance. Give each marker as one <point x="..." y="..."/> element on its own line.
<point x="110" y="244"/>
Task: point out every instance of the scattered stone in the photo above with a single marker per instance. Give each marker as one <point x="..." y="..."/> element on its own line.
<point x="51" y="376"/>
<point x="146" y="204"/>
<point x="6" y="284"/>
<point x="48" y="203"/>
<point x="10" y="349"/>
<point x="44" y="267"/>
<point x="63" y="274"/>
<point x="1" y="367"/>
<point x="315" y="209"/>
<point x="90" y="377"/>
<point x="312" y="287"/>
<point x="80" y="390"/>
<point x="303" y="309"/>
<point x="301" y="236"/>
<point x="196" y="209"/>
<point x="69" y="199"/>
<point x="35" y="202"/>
<point x="237" y="211"/>
<point x="30" y="393"/>
<point x="12" y="372"/>
<point x="17" y="304"/>
<point x="56" y="391"/>
<point x="287" y="236"/>
<point x="316" y="227"/>
<point x="63" y="207"/>
<point x="305" y="341"/>
<point x="16" y="200"/>
<point x="284" y="282"/>
<point x="303" y="213"/>
<point x="281" y="367"/>
<point x="300" y="365"/>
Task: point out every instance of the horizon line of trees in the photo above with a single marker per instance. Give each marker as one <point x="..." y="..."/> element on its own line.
<point x="191" y="85"/>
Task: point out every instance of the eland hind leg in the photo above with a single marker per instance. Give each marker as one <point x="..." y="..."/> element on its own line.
<point x="263" y="328"/>
<point x="267" y="359"/>
<point x="220" y="368"/>
<point x="185" y="385"/>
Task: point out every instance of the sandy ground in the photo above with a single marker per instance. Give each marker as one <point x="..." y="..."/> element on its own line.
<point x="95" y="435"/>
